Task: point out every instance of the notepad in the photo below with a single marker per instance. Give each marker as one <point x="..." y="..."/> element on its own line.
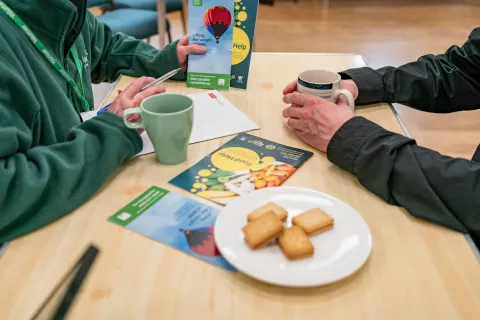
<point x="214" y="117"/>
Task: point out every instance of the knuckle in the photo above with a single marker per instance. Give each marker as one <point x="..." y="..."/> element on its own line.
<point x="314" y="101"/>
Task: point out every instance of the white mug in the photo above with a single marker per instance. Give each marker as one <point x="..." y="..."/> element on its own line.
<point x="323" y="84"/>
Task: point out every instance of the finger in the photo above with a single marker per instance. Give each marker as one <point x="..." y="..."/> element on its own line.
<point x="342" y="101"/>
<point x="133" y="118"/>
<point x="292" y="112"/>
<point x="183" y="41"/>
<point x="133" y="89"/>
<point x="300" y="99"/>
<point x="294" y="124"/>
<point x="148" y="93"/>
<point x="291" y="88"/>
<point x="194" y="48"/>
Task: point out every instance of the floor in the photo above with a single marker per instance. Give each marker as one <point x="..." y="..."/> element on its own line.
<point x="386" y="32"/>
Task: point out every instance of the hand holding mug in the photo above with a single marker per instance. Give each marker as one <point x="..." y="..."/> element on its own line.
<point x="348" y="85"/>
<point x="131" y="97"/>
<point x="168" y="120"/>
<point x="315" y="120"/>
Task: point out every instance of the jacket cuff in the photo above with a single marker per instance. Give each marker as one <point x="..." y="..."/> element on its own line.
<point x="134" y="140"/>
<point x="369" y="83"/>
<point x="348" y="140"/>
<point x="171" y="60"/>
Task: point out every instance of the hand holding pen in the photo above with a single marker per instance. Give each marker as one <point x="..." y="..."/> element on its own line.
<point x="133" y="96"/>
<point x="143" y="88"/>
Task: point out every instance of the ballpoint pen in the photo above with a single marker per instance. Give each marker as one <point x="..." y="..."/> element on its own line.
<point x="154" y="83"/>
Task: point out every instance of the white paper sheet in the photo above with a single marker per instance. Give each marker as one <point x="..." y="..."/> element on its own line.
<point x="213" y="118"/>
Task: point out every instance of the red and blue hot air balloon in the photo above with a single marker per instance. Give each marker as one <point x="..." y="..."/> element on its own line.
<point x="201" y="241"/>
<point x="217" y="20"/>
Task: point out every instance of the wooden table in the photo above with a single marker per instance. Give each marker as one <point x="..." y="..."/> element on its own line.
<point x="416" y="270"/>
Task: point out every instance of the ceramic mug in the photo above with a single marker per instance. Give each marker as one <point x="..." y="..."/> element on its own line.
<point x="323" y="84"/>
<point x="168" y="120"/>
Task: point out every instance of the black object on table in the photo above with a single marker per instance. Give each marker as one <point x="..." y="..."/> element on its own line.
<point x="58" y="303"/>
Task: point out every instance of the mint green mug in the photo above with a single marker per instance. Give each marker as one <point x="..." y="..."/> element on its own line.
<point x="168" y="120"/>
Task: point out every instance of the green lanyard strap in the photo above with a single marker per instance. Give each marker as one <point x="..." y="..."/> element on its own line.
<point x="79" y="90"/>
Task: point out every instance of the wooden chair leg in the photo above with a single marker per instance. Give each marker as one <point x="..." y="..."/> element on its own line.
<point x="182" y="15"/>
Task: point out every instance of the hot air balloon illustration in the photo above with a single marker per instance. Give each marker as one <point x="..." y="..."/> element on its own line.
<point x="217" y="19"/>
<point x="201" y="241"/>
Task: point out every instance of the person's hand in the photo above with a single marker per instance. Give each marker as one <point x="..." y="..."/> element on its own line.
<point x="315" y="120"/>
<point x="184" y="49"/>
<point x="349" y="85"/>
<point x="131" y="97"/>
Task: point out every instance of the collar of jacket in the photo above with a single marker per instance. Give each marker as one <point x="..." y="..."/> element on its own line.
<point x="56" y="22"/>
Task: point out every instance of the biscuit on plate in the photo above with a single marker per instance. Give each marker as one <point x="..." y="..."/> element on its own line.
<point x="280" y="212"/>
<point x="295" y="243"/>
<point x="261" y="231"/>
<point x="313" y="221"/>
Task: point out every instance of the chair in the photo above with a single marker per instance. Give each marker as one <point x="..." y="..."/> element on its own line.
<point x="138" y="23"/>
<point x="170" y="6"/>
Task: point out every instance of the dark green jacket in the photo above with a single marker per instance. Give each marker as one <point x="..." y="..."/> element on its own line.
<point x="429" y="185"/>
<point x="50" y="162"/>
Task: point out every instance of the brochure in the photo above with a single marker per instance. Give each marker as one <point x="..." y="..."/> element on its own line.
<point x="244" y="164"/>
<point x="210" y="23"/>
<point x="214" y="117"/>
<point x="243" y="38"/>
<point x="174" y="220"/>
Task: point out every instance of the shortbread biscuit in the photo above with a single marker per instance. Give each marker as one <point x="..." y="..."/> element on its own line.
<point x="280" y="212"/>
<point x="295" y="243"/>
<point x="313" y="221"/>
<point x="261" y="231"/>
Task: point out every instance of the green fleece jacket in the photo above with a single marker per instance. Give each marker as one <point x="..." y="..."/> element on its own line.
<point x="51" y="162"/>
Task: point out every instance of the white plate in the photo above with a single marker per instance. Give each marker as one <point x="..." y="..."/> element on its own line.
<point x="339" y="252"/>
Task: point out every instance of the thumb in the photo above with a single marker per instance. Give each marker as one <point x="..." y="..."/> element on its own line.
<point x="148" y="93"/>
<point x="134" y="88"/>
<point x="194" y="48"/>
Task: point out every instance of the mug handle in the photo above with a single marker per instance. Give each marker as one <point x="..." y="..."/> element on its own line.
<point x="133" y="125"/>
<point x="347" y="94"/>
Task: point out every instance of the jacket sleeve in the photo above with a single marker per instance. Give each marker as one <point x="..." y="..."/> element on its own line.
<point x="117" y="54"/>
<point x="41" y="183"/>
<point x="444" y="83"/>
<point x="429" y="185"/>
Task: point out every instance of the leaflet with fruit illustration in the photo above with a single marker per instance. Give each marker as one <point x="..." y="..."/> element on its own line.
<point x="244" y="164"/>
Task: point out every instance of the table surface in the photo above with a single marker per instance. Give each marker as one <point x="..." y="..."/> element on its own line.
<point x="416" y="269"/>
